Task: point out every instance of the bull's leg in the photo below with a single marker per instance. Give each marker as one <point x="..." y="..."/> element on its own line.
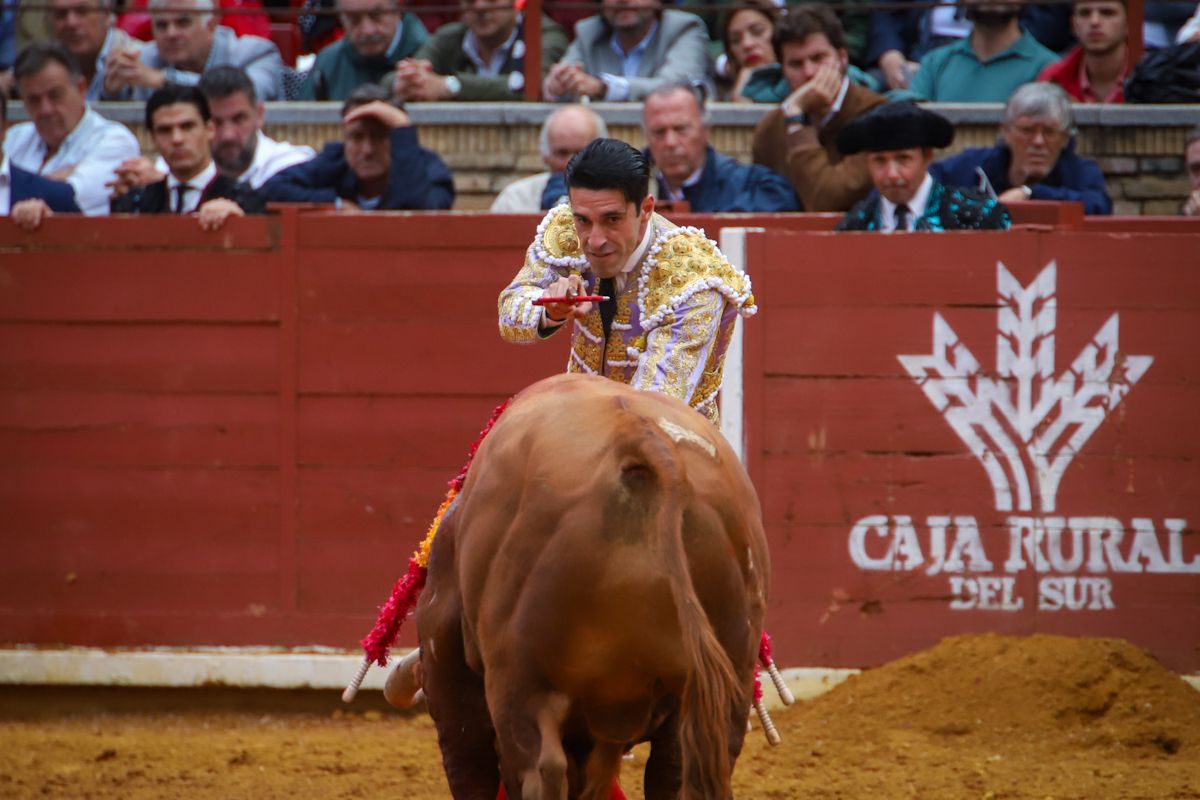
<point x="603" y="766"/>
<point x="664" y="768"/>
<point x="454" y="692"/>
<point x="529" y="737"/>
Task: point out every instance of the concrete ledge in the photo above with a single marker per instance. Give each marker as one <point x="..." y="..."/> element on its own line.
<point x="267" y="668"/>
<point x="723" y="114"/>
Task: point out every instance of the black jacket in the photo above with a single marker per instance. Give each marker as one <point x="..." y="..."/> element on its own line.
<point x="155" y="198"/>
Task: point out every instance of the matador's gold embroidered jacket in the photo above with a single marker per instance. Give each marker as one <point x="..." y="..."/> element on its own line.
<point x="674" y="316"/>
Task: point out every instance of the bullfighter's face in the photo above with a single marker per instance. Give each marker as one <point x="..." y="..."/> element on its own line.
<point x="609" y="226"/>
<point x="898" y="174"/>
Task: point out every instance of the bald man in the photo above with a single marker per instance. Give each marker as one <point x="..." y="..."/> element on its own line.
<point x="564" y="133"/>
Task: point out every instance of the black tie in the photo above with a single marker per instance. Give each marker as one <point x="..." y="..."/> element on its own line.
<point x="901" y="217"/>
<point x="608" y="308"/>
<point x="180" y="191"/>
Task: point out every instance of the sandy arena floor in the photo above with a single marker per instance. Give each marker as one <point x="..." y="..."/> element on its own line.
<point x="984" y="717"/>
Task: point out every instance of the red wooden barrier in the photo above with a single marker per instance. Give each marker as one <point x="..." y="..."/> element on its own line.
<point x="239" y="438"/>
<point x="865" y="481"/>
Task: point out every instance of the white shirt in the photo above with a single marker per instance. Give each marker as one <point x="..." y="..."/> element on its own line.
<point x="5" y="186"/>
<point x="677" y="194"/>
<point x="95" y="149"/>
<point x="493" y="66"/>
<point x="523" y="196"/>
<point x="196" y="187"/>
<point x="270" y="158"/>
<point x="916" y="208"/>
<point x="622" y="277"/>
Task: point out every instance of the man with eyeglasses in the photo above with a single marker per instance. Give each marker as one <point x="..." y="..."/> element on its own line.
<point x="1035" y="159"/>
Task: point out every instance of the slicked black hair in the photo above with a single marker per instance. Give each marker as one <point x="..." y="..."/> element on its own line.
<point x="610" y="164"/>
<point x="226" y="81"/>
<point x="172" y="93"/>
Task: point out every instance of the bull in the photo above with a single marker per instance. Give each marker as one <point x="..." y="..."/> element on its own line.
<point x="600" y="582"/>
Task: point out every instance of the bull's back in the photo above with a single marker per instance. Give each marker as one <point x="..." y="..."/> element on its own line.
<point x="561" y="536"/>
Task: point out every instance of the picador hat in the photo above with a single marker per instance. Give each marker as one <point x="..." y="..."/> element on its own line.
<point x="894" y="126"/>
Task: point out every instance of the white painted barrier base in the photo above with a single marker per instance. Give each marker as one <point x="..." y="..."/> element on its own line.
<point x="263" y="668"/>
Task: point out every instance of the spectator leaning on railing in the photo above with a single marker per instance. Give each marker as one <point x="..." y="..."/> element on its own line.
<point x="567" y="130"/>
<point x="378" y="36"/>
<point x="1094" y="70"/>
<point x="181" y="128"/>
<point x="188" y="41"/>
<point x="1035" y="158"/>
<point x="66" y="139"/>
<point x="85" y="29"/>
<point x="628" y="49"/>
<point x="378" y="165"/>
<point x="480" y="58"/>
<point x="26" y="197"/>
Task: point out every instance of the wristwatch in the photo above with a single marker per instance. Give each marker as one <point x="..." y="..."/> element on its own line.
<point x="1026" y="191"/>
<point x="453" y="85"/>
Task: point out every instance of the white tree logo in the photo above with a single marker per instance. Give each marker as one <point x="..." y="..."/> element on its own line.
<point x="1042" y="421"/>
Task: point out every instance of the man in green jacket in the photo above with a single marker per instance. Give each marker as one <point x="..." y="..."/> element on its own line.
<point x="480" y="58"/>
<point x="377" y="37"/>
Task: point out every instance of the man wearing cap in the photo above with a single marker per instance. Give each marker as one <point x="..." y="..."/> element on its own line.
<point x="899" y="140"/>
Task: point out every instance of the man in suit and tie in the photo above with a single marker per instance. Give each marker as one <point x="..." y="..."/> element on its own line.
<point x="631" y="47"/>
<point x="182" y="130"/>
<point x="26" y="197"/>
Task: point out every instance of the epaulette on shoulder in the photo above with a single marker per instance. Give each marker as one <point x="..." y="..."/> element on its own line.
<point x="556" y="243"/>
<point x="682" y="262"/>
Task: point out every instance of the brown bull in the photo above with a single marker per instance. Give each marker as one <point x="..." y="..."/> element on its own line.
<point x="600" y="582"/>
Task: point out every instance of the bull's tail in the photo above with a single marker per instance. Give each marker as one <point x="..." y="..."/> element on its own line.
<point x="711" y="691"/>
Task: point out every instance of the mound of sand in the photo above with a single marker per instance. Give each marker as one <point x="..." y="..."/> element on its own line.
<point x="993" y="716"/>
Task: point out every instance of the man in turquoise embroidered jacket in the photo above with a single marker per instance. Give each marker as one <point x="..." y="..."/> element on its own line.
<point x="899" y="139"/>
<point x="674" y="296"/>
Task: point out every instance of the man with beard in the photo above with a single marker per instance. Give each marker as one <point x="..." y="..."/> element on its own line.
<point x="240" y="149"/>
<point x="899" y="140"/>
<point x="480" y="58"/>
<point x="799" y="139"/>
<point x="181" y="128"/>
<point x="1094" y="70"/>
<point x="378" y="36"/>
<point x="1036" y="158"/>
<point x="187" y="42"/>
<point x="986" y="66"/>
<point x="628" y="49"/>
<point x="379" y="164"/>
<point x="85" y="29"/>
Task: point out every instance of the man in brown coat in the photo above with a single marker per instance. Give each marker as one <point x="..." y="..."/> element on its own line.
<point x="799" y="139"/>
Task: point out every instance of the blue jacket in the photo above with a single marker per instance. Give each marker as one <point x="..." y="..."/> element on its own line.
<point x="726" y="184"/>
<point x="25" y="185"/>
<point x="1073" y="177"/>
<point x="418" y="178"/>
<point x="949" y="208"/>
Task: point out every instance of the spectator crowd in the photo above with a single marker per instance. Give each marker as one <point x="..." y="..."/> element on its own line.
<point x="842" y="131"/>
